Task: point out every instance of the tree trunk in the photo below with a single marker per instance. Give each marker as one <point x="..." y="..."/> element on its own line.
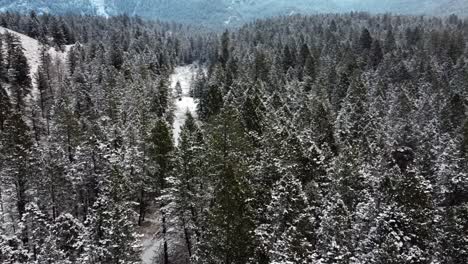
<point x="52" y="195"/>
<point x="195" y="222"/>
<point x="35" y="127"/>
<point x="141" y="217"/>
<point x="1" y="205"/>
<point x="187" y="240"/>
<point x="20" y="196"/>
<point x="166" y="254"/>
<point x="69" y="147"/>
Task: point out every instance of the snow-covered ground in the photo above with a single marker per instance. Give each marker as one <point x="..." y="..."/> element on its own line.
<point x="184" y="75"/>
<point x="151" y="237"/>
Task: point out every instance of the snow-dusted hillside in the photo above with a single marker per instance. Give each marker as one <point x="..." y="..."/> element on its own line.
<point x="32" y="50"/>
<point x="50" y="6"/>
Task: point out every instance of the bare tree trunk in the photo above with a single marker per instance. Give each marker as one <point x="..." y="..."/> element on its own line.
<point x="21" y="203"/>
<point x="141" y="217"/>
<point x="21" y="195"/>
<point x="187" y="238"/>
<point x="41" y="95"/>
<point x="52" y="194"/>
<point x="35" y="127"/>
<point x="69" y="147"/>
<point x="1" y="205"/>
<point x="166" y="254"/>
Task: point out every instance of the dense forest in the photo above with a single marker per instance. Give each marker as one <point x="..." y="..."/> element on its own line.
<point x="317" y="139"/>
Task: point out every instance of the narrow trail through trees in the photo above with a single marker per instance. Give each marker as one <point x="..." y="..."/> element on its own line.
<point x="153" y="240"/>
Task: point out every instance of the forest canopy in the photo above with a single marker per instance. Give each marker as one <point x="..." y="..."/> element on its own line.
<point x="316" y="139"/>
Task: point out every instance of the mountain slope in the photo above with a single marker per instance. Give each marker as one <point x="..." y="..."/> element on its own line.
<point x="430" y="7"/>
<point x="218" y="12"/>
<point x="50" y="6"/>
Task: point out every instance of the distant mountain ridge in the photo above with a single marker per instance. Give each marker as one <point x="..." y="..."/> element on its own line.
<point x="232" y="12"/>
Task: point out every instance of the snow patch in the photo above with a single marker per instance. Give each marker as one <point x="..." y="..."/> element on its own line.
<point x="184" y="75"/>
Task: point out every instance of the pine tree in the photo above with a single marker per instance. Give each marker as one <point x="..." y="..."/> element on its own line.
<point x="456" y="47"/>
<point x="161" y="147"/>
<point x="161" y="100"/>
<point x="188" y="186"/>
<point x="288" y="234"/>
<point x="453" y="114"/>
<point x="389" y="43"/>
<point x="3" y="72"/>
<point x="57" y="33"/>
<point x="260" y="66"/>
<point x="33" y="27"/>
<point x="225" y="49"/>
<point x="333" y="233"/>
<point x="231" y="71"/>
<point x="116" y="56"/>
<point x="376" y="55"/>
<point x="41" y="242"/>
<point x="5" y="108"/>
<point x="198" y="84"/>
<point x="464" y="144"/>
<point x="73" y="57"/>
<point x="69" y="234"/>
<point x="345" y="79"/>
<point x="45" y="90"/>
<point x="365" y="40"/>
<point x="12" y="250"/>
<point x="18" y="70"/>
<point x="353" y="118"/>
<point x="19" y="159"/>
<point x="452" y="187"/>
<point x="333" y="27"/>
<point x="453" y="247"/>
<point x="211" y="101"/>
<point x="288" y="59"/>
<point x="178" y="90"/>
<point x="111" y="233"/>
<point x="160" y="154"/>
<point x="310" y="68"/>
<point x="228" y="229"/>
<point x="253" y="112"/>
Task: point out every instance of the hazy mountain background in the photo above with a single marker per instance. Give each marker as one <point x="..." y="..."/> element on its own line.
<point x="232" y="12"/>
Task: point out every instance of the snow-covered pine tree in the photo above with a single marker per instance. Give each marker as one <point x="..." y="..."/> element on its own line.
<point x="288" y="234"/>
<point x="228" y="223"/>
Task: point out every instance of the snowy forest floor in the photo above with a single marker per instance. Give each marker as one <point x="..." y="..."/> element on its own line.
<point x="186" y="103"/>
<point x="151" y="230"/>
